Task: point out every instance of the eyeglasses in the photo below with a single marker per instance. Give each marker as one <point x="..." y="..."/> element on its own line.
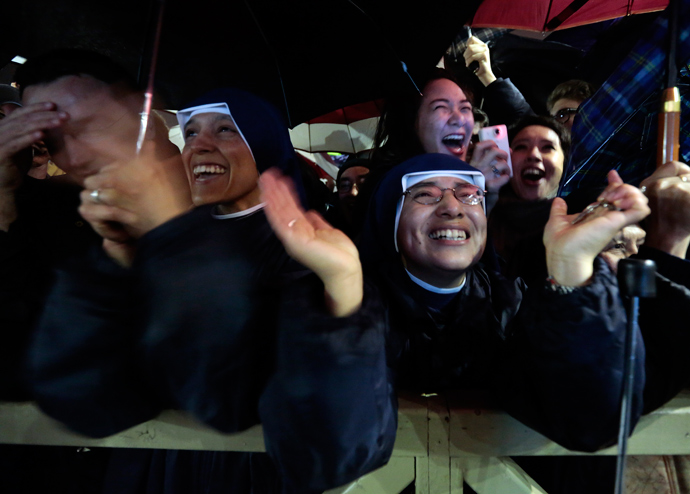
<point x="347" y="186"/>
<point x="565" y="114"/>
<point x="428" y="194"/>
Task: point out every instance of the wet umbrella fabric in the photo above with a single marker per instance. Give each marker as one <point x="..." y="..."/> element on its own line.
<point x="549" y="15"/>
<point x="616" y="128"/>
<point x="325" y="55"/>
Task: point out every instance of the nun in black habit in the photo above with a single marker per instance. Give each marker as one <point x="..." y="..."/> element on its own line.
<point x="220" y="310"/>
<point x="553" y="354"/>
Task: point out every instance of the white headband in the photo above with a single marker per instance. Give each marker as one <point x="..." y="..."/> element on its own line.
<point x="184" y="116"/>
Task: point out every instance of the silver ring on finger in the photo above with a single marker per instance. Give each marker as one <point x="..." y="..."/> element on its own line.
<point x="685" y="178"/>
<point x="96" y="196"/>
<point x="496" y="171"/>
<point x="643" y="189"/>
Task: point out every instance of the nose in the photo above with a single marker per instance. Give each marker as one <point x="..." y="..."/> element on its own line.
<point x="202" y="142"/>
<point x="450" y="206"/>
<point x="534" y="154"/>
<point x="354" y="190"/>
<point x="456" y="116"/>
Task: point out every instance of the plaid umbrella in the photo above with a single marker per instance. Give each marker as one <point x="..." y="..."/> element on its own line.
<point x="617" y="127"/>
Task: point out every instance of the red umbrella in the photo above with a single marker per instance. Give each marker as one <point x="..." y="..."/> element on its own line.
<point x="550" y="15"/>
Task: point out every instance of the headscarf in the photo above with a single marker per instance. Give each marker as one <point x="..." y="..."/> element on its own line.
<point x="259" y="123"/>
<point x="378" y="240"/>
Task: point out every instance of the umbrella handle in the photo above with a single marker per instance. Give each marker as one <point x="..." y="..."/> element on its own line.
<point x="669" y="127"/>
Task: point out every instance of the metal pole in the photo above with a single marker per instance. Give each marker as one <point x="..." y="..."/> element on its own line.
<point x="636" y="278"/>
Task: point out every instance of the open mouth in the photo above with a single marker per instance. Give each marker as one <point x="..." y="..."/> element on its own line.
<point x="203" y="172"/>
<point x="455" y="143"/>
<point x="532" y="176"/>
<point x="448" y="234"/>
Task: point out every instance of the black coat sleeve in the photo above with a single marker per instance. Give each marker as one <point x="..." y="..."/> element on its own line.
<point x="665" y="325"/>
<point x="504" y="103"/>
<point x="84" y="359"/>
<point x="329" y="412"/>
<point x="568" y="351"/>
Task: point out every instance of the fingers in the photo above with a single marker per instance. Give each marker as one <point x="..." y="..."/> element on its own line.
<point x="623" y="196"/>
<point x="673" y="175"/>
<point x="282" y="205"/>
<point x="487" y="154"/>
<point x="670" y="169"/>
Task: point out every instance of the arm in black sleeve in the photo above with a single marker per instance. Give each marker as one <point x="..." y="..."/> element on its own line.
<point x="665" y="324"/>
<point x="16" y="314"/>
<point x="504" y="103"/>
<point x="329" y="412"/>
<point x="83" y="360"/>
<point x="569" y="352"/>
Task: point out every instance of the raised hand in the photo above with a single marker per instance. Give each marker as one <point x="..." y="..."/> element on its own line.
<point x="478" y="51"/>
<point x="571" y="248"/>
<point x="310" y="240"/>
<point x="668" y="190"/>
<point x="493" y="163"/>
<point x="18" y="131"/>
<point x="123" y="201"/>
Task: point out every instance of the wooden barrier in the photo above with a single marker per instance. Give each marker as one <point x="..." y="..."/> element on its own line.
<point x="441" y="441"/>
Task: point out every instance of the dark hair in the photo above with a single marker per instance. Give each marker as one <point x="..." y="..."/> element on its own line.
<point x="53" y="65"/>
<point x="543" y="121"/>
<point x="351" y="163"/>
<point x="574" y="89"/>
<point x="396" y="137"/>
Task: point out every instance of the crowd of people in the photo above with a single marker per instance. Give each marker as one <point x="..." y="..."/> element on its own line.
<point x="209" y="281"/>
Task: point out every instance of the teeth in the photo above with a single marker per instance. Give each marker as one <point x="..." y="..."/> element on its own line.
<point x="533" y="173"/>
<point x="211" y="169"/>
<point x="448" y="234"/>
<point x="454" y="139"/>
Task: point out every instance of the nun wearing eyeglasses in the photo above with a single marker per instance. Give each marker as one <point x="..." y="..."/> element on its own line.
<point x="552" y="353"/>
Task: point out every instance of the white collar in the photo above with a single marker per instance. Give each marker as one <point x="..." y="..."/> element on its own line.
<point x="239" y="214"/>
<point x="433" y="288"/>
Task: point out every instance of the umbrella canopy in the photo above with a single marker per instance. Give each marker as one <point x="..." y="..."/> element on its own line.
<point x="308" y="57"/>
<point x="346" y="130"/>
<point x="617" y="126"/>
<point x="550" y="15"/>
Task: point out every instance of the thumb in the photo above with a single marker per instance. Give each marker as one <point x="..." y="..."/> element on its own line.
<point x="558" y="208"/>
<point x="614" y="178"/>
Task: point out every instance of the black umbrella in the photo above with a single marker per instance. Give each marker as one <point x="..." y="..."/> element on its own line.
<point x="308" y="57"/>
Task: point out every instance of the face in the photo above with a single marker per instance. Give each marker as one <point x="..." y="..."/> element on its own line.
<point x="220" y="167"/>
<point x="439" y="242"/>
<point x="626" y="243"/>
<point x="102" y="127"/>
<point x="537" y="163"/>
<point x="562" y="104"/>
<point x="444" y="119"/>
<point x="350" y="182"/>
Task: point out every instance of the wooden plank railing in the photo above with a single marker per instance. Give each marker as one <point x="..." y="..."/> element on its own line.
<point x="441" y="441"/>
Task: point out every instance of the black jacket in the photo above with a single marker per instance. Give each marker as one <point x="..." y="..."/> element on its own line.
<point x="554" y="361"/>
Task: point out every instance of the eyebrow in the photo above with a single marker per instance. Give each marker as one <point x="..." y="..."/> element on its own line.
<point x="541" y="141"/>
<point x="446" y="100"/>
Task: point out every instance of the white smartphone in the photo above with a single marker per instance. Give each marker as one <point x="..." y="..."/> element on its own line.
<point x="498" y="134"/>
